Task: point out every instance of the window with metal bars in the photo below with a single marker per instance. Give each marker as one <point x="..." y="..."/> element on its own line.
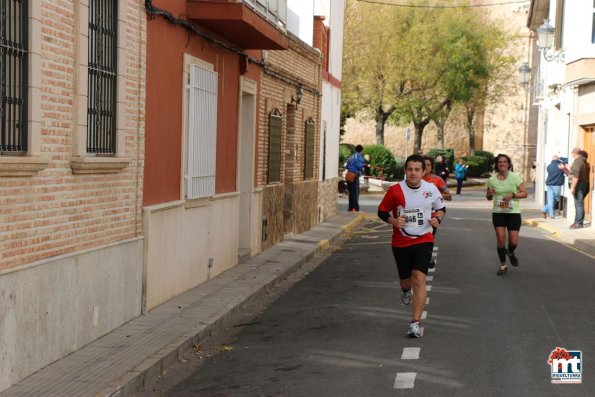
<point x="103" y="76"/>
<point x="309" y="149"/>
<point x="275" y="132"/>
<point x="202" y="133"/>
<point x="13" y="75"/>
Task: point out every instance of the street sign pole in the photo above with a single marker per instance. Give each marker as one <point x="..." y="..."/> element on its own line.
<point x="407" y="136"/>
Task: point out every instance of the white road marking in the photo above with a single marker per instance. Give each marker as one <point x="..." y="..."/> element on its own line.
<point x="435" y="249"/>
<point x="429" y="278"/>
<point x="428" y="288"/>
<point x="432" y="270"/>
<point x="427" y="301"/>
<point x="405" y="380"/>
<point x="424" y="315"/>
<point x="410" y="353"/>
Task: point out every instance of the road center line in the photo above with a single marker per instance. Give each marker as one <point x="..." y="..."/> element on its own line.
<point x="405" y="380"/>
<point x="410" y="353"/>
<point x="424" y="315"/>
<point x="430" y="278"/>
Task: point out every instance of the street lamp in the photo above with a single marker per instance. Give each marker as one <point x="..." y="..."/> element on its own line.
<point x="525" y="75"/>
<point x="545" y="36"/>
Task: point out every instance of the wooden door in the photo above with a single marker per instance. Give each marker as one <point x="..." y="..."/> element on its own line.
<point x="589" y="147"/>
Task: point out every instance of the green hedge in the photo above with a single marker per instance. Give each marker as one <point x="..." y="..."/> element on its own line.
<point x="481" y="164"/>
<point x="345" y="150"/>
<point x="382" y="157"/>
<point x="448" y="154"/>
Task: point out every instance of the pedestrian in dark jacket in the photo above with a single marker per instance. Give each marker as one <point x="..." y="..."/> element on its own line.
<point x="553" y="183"/>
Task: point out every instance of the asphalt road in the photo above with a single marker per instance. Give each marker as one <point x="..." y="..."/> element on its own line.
<point x="340" y="331"/>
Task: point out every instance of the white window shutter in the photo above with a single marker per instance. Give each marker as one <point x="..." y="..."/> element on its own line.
<point x="202" y="133"/>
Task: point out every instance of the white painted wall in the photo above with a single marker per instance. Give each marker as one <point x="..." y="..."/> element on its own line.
<point x="180" y="237"/>
<point x="300" y="19"/>
<point x="333" y="11"/>
<point x="578" y="21"/>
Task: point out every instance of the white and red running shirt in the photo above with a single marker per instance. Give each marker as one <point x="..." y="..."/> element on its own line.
<point x="416" y="204"/>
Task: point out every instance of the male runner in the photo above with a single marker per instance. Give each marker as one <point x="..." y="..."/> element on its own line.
<point x="408" y="206"/>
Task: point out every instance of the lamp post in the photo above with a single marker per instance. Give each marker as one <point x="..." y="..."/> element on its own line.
<point x="545" y="37"/>
<point x="525" y="75"/>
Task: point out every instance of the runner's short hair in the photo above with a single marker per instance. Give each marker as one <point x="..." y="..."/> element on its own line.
<point x="416" y="158"/>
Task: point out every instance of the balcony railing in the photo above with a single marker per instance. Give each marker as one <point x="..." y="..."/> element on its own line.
<point x="273" y="10"/>
<point x="249" y="24"/>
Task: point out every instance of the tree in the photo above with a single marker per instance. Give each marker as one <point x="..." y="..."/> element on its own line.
<point x="413" y="65"/>
<point x="370" y="72"/>
<point x="479" y="70"/>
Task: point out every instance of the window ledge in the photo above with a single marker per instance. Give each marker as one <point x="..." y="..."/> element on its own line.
<point x="21" y="165"/>
<point x="99" y="165"/>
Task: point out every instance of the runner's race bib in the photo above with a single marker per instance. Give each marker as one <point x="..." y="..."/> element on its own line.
<point x="505" y="205"/>
<point x="414" y="217"/>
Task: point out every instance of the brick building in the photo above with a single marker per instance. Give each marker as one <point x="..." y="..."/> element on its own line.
<point x="71" y="157"/>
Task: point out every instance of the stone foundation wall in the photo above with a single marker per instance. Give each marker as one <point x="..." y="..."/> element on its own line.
<point x="272" y="215"/>
<point x="304" y="206"/>
<point x="327" y="199"/>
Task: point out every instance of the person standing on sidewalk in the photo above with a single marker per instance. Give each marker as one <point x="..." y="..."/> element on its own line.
<point x="506" y="188"/>
<point x="442" y="169"/>
<point x="408" y="207"/>
<point x="460" y="172"/>
<point x="553" y="183"/>
<point x="580" y="186"/>
<point x="355" y="164"/>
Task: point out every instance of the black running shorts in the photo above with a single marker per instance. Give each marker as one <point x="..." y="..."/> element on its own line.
<point x="509" y="221"/>
<point x="414" y="257"/>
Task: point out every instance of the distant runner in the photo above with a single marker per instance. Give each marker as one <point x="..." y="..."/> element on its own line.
<point x="440" y="184"/>
<point x="506" y="188"/>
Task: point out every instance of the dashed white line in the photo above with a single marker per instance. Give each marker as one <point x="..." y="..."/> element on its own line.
<point x="410" y="353"/>
<point x="428" y="288"/>
<point x="405" y="380"/>
<point x="424" y="315"/>
<point x="429" y="278"/>
<point x="427" y="300"/>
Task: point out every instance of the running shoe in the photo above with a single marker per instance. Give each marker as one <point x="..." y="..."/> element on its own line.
<point x="514" y="261"/>
<point x="406" y="296"/>
<point x="502" y="270"/>
<point x="432" y="264"/>
<point x="414" y="330"/>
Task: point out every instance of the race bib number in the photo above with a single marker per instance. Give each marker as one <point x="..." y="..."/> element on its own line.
<point x="505" y="205"/>
<point x="414" y="217"/>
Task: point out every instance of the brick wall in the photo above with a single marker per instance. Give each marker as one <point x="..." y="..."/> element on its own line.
<point x="291" y="206"/>
<point x="300" y="63"/>
<point x="56" y="212"/>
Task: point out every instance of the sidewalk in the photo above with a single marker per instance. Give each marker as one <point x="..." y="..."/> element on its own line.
<point x="558" y="228"/>
<point x="122" y="362"/>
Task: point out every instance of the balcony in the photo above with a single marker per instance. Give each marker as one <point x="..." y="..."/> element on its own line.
<point x="250" y="24"/>
<point x="581" y="71"/>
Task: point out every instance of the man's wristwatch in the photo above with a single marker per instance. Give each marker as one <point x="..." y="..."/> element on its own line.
<point x="439" y="218"/>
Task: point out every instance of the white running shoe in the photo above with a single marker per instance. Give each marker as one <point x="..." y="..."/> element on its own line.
<point x="414" y="330"/>
<point x="406" y="296"/>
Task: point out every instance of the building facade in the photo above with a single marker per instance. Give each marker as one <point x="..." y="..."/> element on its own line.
<point x="71" y="161"/>
<point x="563" y="87"/>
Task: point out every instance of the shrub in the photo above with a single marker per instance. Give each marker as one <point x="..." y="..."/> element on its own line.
<point x="448" y="154"/>
<point x="478" y="165"/>
<point x="345" y="150"/>
<point x="382" y="157"/>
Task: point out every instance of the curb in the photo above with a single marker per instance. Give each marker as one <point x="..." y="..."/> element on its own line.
<point x="135" y="380"/>
<point x="587" y="246"/>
